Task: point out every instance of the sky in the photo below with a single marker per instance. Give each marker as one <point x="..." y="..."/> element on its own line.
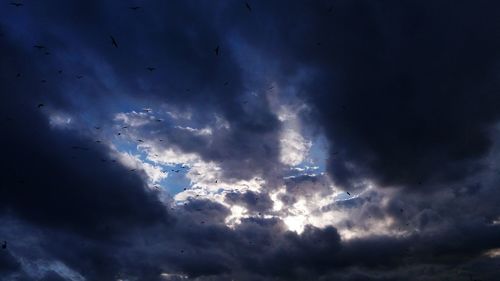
<point x="354" y="140"/>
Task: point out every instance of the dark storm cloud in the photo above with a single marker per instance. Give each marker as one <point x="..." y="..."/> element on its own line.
<point x="405" y="93"/>
<point x="53" y="276"/>
<point x="253" y="201"/>
<point x="8" y="263"/>
<point x="56" y="178"/>
<point x="408" y="93"/>
<point x="305" y="185"/>
<point x="178" y="39"/>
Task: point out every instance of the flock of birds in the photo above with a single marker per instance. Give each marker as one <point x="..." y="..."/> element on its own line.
<point x="114" y="43"/>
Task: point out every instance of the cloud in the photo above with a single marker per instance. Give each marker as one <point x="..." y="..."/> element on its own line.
<point x="403" y="93"/>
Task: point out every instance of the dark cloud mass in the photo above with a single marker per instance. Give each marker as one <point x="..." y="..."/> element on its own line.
<point x="260" y="140"/>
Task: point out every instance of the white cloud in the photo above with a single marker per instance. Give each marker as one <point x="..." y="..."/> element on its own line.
<point x="153" y="172"/>
<point x="133" y="119"/>
<point x="60" y="120"/>
<point x="294" y="147"/>
<point x="207" y="131"/>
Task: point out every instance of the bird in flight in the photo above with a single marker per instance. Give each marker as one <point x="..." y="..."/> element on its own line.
<point x="150" y="68"/>
<point x="135" y="8"/>
<point x="40" y="105"/>
<point x="140" y="140"/>
<point x="39" y="47"/>
<point x="248" y="6"/>
<point x="348" y="193"/>
<point x="216" y="50"/>
<point x="4" y="245"/>
<point x="79" y="76"/>
<point x="113" y="41"/>
<point x="16" y="4"/>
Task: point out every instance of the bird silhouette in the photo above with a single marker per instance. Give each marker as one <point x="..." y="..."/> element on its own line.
<point x="348" y="193"/>
<point x="150" y="69"/>
<point x="59" y="71"/>
<point x="113" y="41"/>
<point x="248" y="6"/>
<point x="79" y="76"/>
<point x="4" y="245"/>
<point x="18" y="75"/>
<point x="40" y="105"/>
<point x="39" y="47"/>
<point x="16" y="4"/>
<point x="216" y="50"/>
<point x="140" y="140"/>
<point x="135" y="8"/>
